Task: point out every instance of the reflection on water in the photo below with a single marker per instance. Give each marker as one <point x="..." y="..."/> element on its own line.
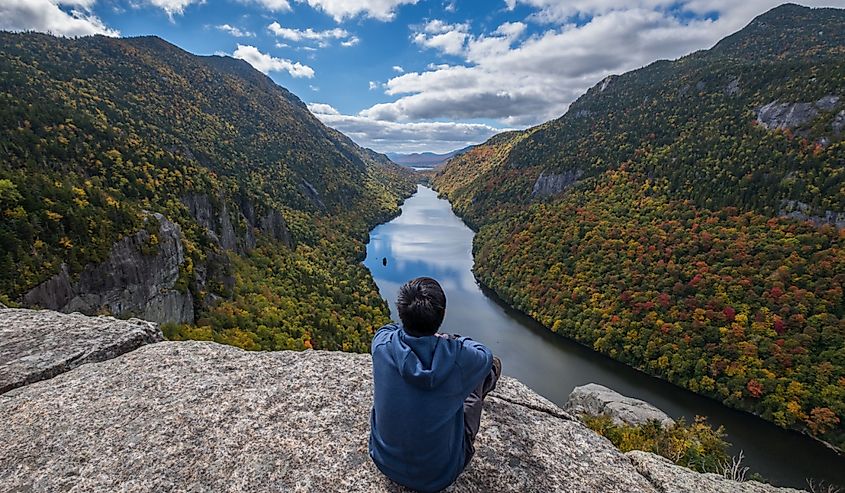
<point x="429" y="240"/>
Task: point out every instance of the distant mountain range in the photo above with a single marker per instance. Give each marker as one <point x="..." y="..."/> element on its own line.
<point x="424" y="159"/>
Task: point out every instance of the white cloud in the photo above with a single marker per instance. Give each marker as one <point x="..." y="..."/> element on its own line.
<point x="310" y="34"/>
<point x="398" y="69"/>
<point x="448" y="38"/>
<point x="234" y="31"/>
<point x="354" y="40"/>
<point x="62" y="18"/>
<point x="383" y="10"/>
<point x="511" y="29"/>
<point x="322" y="38"/>
<point x="322" y="109"/>
<point x="388" y="136"/>
<point x="374" y="85"/>
<point x="522" y="80"/>
<point x="172" y="7"/>
<point x="271" y="5"/>
<point x="266" y="63"/>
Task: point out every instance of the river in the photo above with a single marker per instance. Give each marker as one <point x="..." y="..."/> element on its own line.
<point x="428" y="239"/>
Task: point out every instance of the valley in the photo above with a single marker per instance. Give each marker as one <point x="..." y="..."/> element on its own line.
<point x="677" y="234"/>
<point x="651" y="222"/>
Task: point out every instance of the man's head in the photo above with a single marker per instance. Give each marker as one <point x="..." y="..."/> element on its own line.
<point x="422" y="306"/>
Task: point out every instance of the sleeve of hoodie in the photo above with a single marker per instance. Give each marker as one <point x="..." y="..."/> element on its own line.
<point x="476" y="360"/>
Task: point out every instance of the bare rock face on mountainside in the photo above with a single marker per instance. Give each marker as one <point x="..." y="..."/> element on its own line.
<point x="594" y="399"/>
<point x="137" y="279"/>
<point x="549" y="184"/>
<point x="199" y="416"/>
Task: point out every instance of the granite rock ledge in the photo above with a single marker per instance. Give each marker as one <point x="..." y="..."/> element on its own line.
<point x="202" y="417"/>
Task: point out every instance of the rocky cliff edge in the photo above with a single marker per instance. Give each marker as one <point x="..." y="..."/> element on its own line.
<point x="202" y="417"/>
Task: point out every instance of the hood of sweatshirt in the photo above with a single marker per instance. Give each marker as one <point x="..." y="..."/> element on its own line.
<point x="427" y="361"/>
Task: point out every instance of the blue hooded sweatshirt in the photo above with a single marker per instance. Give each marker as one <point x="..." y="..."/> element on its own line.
<point x="417" y="422"/>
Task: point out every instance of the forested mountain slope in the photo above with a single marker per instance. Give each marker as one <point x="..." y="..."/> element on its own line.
<point x="686" y="218"/>
<point x="139" y="179"/>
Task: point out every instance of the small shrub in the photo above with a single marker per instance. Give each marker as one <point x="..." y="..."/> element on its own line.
<point x="696" y="446"/>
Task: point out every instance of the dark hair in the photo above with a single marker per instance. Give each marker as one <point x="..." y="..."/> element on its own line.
<point x="422" y="306"/>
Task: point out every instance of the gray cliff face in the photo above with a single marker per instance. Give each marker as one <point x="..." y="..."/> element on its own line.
<point x="214" y="218"/>
<point x="199" y="416"/>
<point x="839" y="122"/>
<point x="128" y="283"/>
<point x="596" y="400"/>
<point x="273" y="225"/>
<point x="827" y="103"/>
<point x="312" y="194"/>
<point x="783" y="116"/>
<point x="217" y="221"/>
<point x="803" y="212"/>
<point x="732" y="89"/>
<point x="37" y="345"/>
<point x="549" y="184"/>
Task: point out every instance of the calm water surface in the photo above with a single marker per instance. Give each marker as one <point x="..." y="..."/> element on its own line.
<point x="427" y="239"/>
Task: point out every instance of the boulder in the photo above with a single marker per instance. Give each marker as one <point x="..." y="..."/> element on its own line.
<point x="595" y="400"/>
<point x="132" y="281"/>
<point x="671" y="478"/>
<point x="37" y="345"/>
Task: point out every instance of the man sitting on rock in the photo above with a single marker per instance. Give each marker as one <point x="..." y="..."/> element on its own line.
<point x="429" y="390"/>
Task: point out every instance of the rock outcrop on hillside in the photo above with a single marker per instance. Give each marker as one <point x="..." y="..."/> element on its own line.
<point x="595" y="400"/>
<point x="198" y="416"/>
<point x="38" y="345"/>
<point x="137" y="279"/>
<point x="549" y="184"/>
<point x="776" y="115"/>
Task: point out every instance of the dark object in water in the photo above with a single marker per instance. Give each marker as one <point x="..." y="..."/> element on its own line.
<point x="384" y="261"/>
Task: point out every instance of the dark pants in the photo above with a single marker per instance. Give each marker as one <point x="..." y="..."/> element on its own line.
<point x="472" y="413"/>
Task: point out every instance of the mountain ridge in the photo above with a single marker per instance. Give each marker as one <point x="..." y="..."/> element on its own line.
<point x="683" y="218"/>
<point x="425" y="159"/>
<point x="100" y="134"/>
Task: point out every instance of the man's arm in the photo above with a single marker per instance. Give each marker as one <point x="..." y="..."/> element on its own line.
<point x="476" y="361"/>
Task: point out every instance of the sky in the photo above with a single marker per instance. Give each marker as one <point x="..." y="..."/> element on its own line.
<point x="416" y="75"/>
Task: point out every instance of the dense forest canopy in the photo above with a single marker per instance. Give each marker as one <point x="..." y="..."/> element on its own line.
<point x="686" y="218"/>
<point x="97" y="133"/>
